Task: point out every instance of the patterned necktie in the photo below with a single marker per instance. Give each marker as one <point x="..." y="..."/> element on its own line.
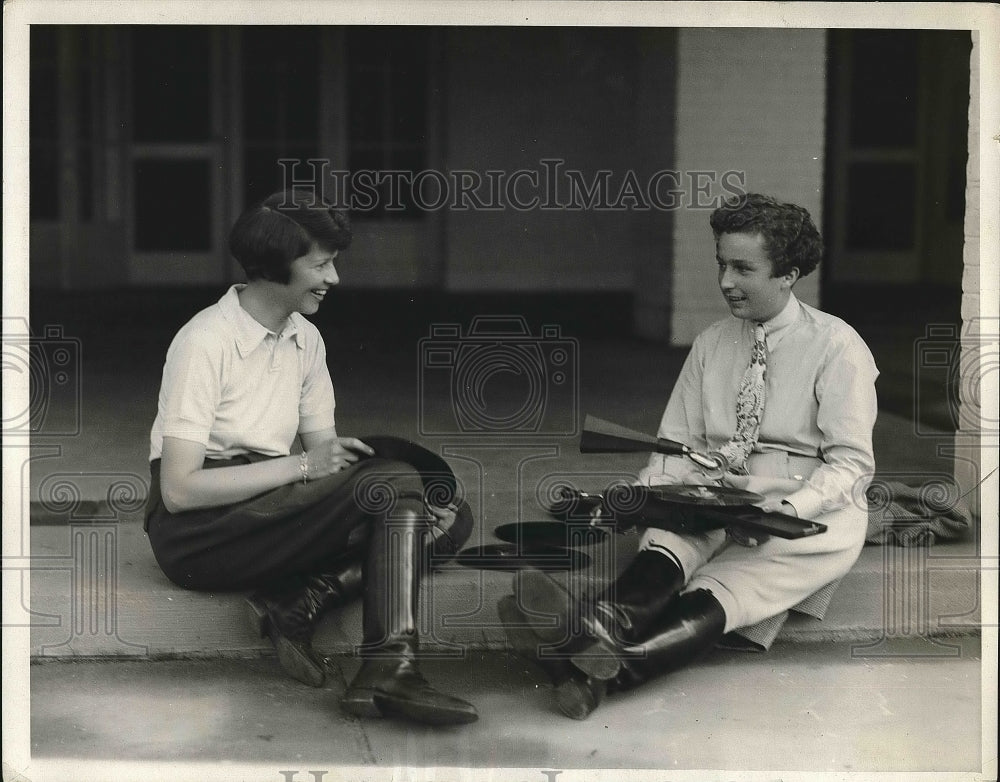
<point x="749" y="405"/>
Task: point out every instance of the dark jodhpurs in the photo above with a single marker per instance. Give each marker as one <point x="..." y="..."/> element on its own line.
<point x="294" y="530"/>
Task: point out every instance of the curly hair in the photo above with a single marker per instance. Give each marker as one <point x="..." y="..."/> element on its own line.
<point x="790" y="236"/>
<point x="268" y="236"/>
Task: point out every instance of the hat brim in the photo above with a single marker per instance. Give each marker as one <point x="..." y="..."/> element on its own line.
<point x="441" y="489"/>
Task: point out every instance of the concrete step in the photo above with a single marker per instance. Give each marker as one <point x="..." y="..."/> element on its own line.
<point x="96" y="591"/>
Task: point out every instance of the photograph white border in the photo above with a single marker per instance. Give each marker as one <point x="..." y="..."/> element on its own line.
<point x="18" y="14"/>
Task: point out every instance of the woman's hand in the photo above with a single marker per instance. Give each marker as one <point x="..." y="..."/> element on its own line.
<point x="334" y="455"/>
<point x="778" y="506"/>
<point x="445" y="515"/>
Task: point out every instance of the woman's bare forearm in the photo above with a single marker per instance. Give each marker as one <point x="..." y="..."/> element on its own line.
<point x="227" y="485"/>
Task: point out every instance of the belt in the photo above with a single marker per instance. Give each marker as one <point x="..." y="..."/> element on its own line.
<point x="782" y="464"/>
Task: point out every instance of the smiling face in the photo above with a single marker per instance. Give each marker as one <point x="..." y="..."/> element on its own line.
<point x="745" y="279"/>
<point x="312" y="275"/>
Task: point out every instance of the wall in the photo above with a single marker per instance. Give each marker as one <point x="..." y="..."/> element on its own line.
<point x="516" y="97"/>
<point x="508" y="98"/>
<point x="973" y="394"/>
<point x="656" y="131"/>
<point x="753" y="101"/>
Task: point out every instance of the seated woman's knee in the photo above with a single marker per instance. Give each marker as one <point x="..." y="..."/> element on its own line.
<point x="384" y="480"/>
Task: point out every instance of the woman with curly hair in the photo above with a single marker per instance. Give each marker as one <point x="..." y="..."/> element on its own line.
<point x="783" y="396"/>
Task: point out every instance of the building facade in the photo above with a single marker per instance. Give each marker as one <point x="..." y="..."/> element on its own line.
<point x="501" y="159"/>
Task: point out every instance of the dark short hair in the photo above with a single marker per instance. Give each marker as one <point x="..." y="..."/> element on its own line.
<point x="790" y="236"/>
<point x="268" y="236"/>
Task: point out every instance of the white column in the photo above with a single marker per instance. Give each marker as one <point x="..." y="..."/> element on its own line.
<point x="977" y="371"/>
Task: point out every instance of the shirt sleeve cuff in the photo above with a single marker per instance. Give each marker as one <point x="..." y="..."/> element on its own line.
<point x="808" y="502"/>
<point x="671" y="470"/>
<point x="315" y="423"/>
<point x="187" y="430"/>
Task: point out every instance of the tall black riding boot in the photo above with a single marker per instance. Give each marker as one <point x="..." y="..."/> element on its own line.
<point x="577" y="695"/>
<point x="289" y="617"/>
<point x="693" y="625"/>
<point x="621" y="613"/>
<point x="638" y="597"/>
<point x="389" y="684"/>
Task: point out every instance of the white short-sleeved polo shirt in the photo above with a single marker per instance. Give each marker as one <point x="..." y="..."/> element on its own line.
<point x="235" y="387"/>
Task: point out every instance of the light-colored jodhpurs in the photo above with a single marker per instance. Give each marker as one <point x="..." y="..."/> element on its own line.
<point x="755" y="583"/>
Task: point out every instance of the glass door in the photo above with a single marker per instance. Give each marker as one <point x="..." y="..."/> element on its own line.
<point x="174" y="165"/>
<point x="898" y="125"/>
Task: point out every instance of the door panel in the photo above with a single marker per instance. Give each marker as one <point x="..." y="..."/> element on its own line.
<point x="174" y="188"/>
<point x="898" y="120"/>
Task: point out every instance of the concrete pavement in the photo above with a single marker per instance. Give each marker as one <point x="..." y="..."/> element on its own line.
<point x="202" y="690"/>
<point x="802" y="707"/>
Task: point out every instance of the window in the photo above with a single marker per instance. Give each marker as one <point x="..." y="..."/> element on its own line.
<point x="280" y="104"/>
<point x="61" y="121"/>
<point x="387" y="77"/>
<point x="171" y="96"/>
<point x="43" y="121"/>
<point x="172" y="207"/>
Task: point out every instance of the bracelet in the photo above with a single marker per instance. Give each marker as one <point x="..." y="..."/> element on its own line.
<point x="304" y="466"/>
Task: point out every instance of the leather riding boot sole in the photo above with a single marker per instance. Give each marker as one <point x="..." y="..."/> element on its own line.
<point x="384" y="692"/>
<point x="373" y="703"/>
<point x="294" y="658"/>
<point x="543" y="594"/>
<point x="359" y="698"/>
<point x="401" y="706"/>
<point x="601" y="660"/>
<point x="360" y="701"/>
<point x="540" y="594"/>
<point x="522" y="639"/>
<point x="578" y="697"/>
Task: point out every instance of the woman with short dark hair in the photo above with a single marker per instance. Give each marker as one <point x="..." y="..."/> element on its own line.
<point x="232" y="508"/>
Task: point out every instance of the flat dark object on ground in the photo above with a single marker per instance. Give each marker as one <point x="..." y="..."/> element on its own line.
<point x="510" y="557"/>
<point x="531" y="534"/>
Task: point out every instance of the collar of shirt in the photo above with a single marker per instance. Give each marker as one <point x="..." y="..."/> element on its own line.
<point x="776" y="328"/>
<point x="247" y="332"/>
